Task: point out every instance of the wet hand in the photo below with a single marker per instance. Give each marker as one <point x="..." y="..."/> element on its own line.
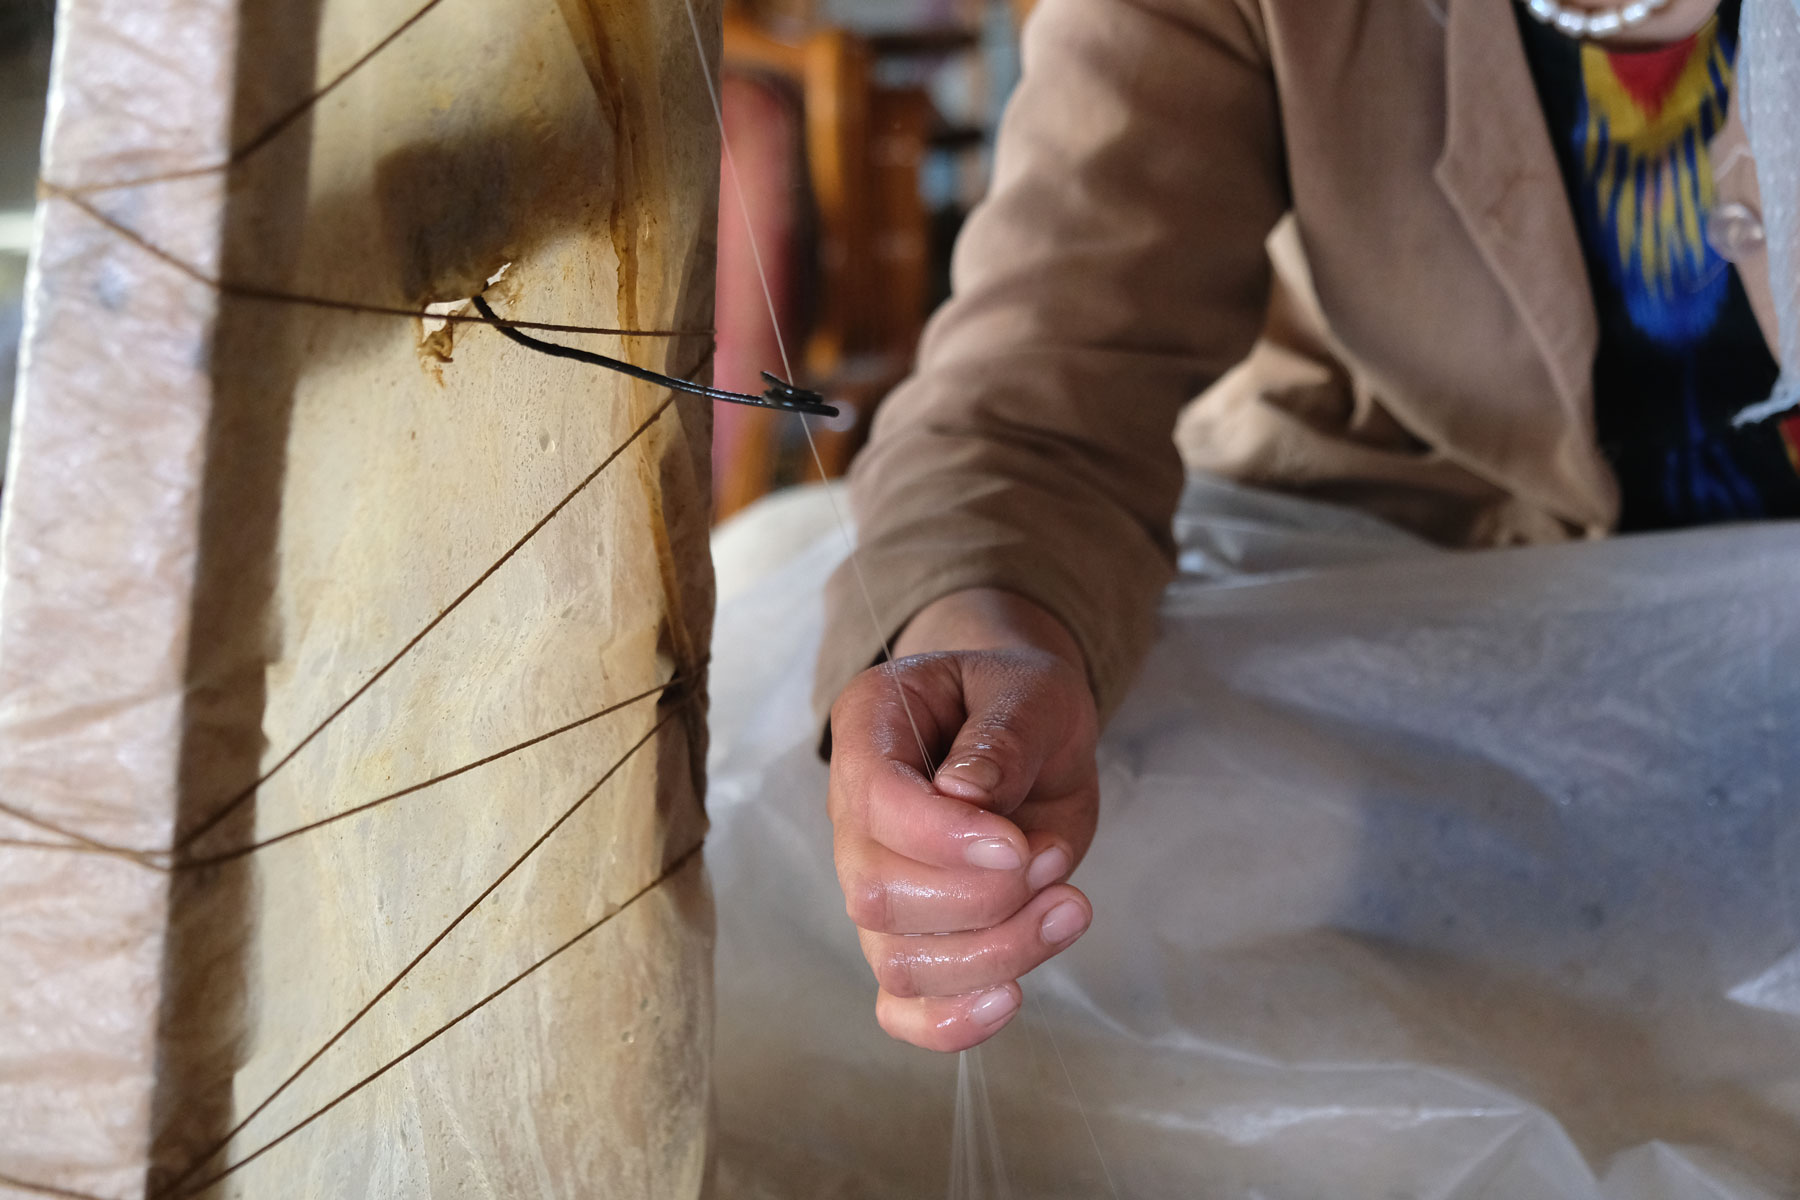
<point x="957" y="882"/>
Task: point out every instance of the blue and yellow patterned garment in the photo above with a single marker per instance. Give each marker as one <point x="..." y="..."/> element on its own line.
<point x="1646" y="180"/>
<point x="1680" y="350"/>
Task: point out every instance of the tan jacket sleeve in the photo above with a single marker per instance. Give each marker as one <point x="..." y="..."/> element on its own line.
<point x="1115" y="270"/>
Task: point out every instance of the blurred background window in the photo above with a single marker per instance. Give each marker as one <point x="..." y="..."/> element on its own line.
<point x="862" y="132"/>
<point x="24" y="78"/>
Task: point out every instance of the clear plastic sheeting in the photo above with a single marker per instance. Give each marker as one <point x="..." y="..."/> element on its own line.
<point x="1424" y="876"/>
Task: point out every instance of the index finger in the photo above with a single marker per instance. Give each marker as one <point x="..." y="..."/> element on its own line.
<point x="897" y="807"/>
<point x="878" y="781"/>
<point x="907" y="710"/>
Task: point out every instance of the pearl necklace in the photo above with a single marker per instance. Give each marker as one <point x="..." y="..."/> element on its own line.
<point x="1579" y="24"/>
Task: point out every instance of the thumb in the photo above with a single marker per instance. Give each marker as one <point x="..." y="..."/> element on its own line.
<point x="1017" y="717"/>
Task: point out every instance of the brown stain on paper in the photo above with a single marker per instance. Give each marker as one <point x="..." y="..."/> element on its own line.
<point x="621" y="56"/>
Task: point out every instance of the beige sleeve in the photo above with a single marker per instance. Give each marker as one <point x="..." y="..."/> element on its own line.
<point x="1115" y="270"/>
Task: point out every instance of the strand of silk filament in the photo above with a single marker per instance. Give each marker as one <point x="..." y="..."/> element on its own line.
<point x="977" y="1170"/>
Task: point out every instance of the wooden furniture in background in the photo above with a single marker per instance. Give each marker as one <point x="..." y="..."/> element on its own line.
<point x="856" y="304"/>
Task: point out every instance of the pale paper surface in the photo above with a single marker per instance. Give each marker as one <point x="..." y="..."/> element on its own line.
<point x="303" y="489"/>
<point x="97" y="551"/>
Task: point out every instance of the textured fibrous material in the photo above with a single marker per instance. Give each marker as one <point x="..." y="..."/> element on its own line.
<point x="225" y="512"/>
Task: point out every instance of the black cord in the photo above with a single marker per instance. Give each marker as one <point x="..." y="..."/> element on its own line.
<point x="780" y="394"/>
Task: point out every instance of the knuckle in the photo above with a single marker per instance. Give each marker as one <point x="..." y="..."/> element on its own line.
<point x="999" y="729"/>
<point x="888" y="1019"/>
<point x="839" y="717"/>
<point x="897" y="974"/>
<point x="891" y="1014"/>
<point x="854" y="695"/>
<point x="996" y="906"/>
<point x="997" y="737"/>
<point x="849" y="803"/>
<point x="867" y="903"/>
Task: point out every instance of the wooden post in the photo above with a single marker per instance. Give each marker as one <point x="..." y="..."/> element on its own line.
<point x="233" y="509"/>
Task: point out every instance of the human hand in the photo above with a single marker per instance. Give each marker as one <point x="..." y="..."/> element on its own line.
<point x="956" y="882"/>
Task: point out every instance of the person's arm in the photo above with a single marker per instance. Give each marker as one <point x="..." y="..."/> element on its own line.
<point x="1115" y="270"/>
<point x="1014" y="503"/>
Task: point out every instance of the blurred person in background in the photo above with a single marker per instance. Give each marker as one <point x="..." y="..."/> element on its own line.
<point x="1489" y="270"/>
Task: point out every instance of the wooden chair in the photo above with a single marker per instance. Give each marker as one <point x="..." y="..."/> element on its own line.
<point x="860" y="297"/>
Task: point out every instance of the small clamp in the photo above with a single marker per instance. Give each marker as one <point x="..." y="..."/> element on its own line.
<point x="780" y="394"/>
<point x="784" y="395"/>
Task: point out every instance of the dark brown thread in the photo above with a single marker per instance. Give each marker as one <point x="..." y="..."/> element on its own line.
<point x="269" y="133"/>
<point x="213" y="860"/>
<point x="669" y="872"/>
<point x="408" y="968"/>
<point x="249" y="789"/>
<point x="238" y="798"/>
<point x="28" y="844"/>
<point x="83" y="843"/>
<point x="45" y="1189"/>
<point x="146" y="858"/>
<point x="251" y="291"/>
<point x="273" y="129"/>
<point x="107" y="851"/>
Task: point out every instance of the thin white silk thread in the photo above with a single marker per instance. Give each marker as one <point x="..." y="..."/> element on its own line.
<point x="1111" y="1188"/>
<point x="837" y="513"/>
<point x="977" y="1171"/>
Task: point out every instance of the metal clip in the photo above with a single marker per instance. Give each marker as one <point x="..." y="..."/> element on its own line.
<point x="780" y="394"/>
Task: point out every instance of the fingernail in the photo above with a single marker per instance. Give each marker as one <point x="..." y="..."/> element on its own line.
<point x="994" y="1007"/>
<point x="1048" y="867"/>
<point x="994" y="854"/>
<point x="1064" y="923"/>
<point x="980" y="773"/>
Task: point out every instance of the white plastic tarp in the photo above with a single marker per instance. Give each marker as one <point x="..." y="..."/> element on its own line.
<point x="1420" y="875"/>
